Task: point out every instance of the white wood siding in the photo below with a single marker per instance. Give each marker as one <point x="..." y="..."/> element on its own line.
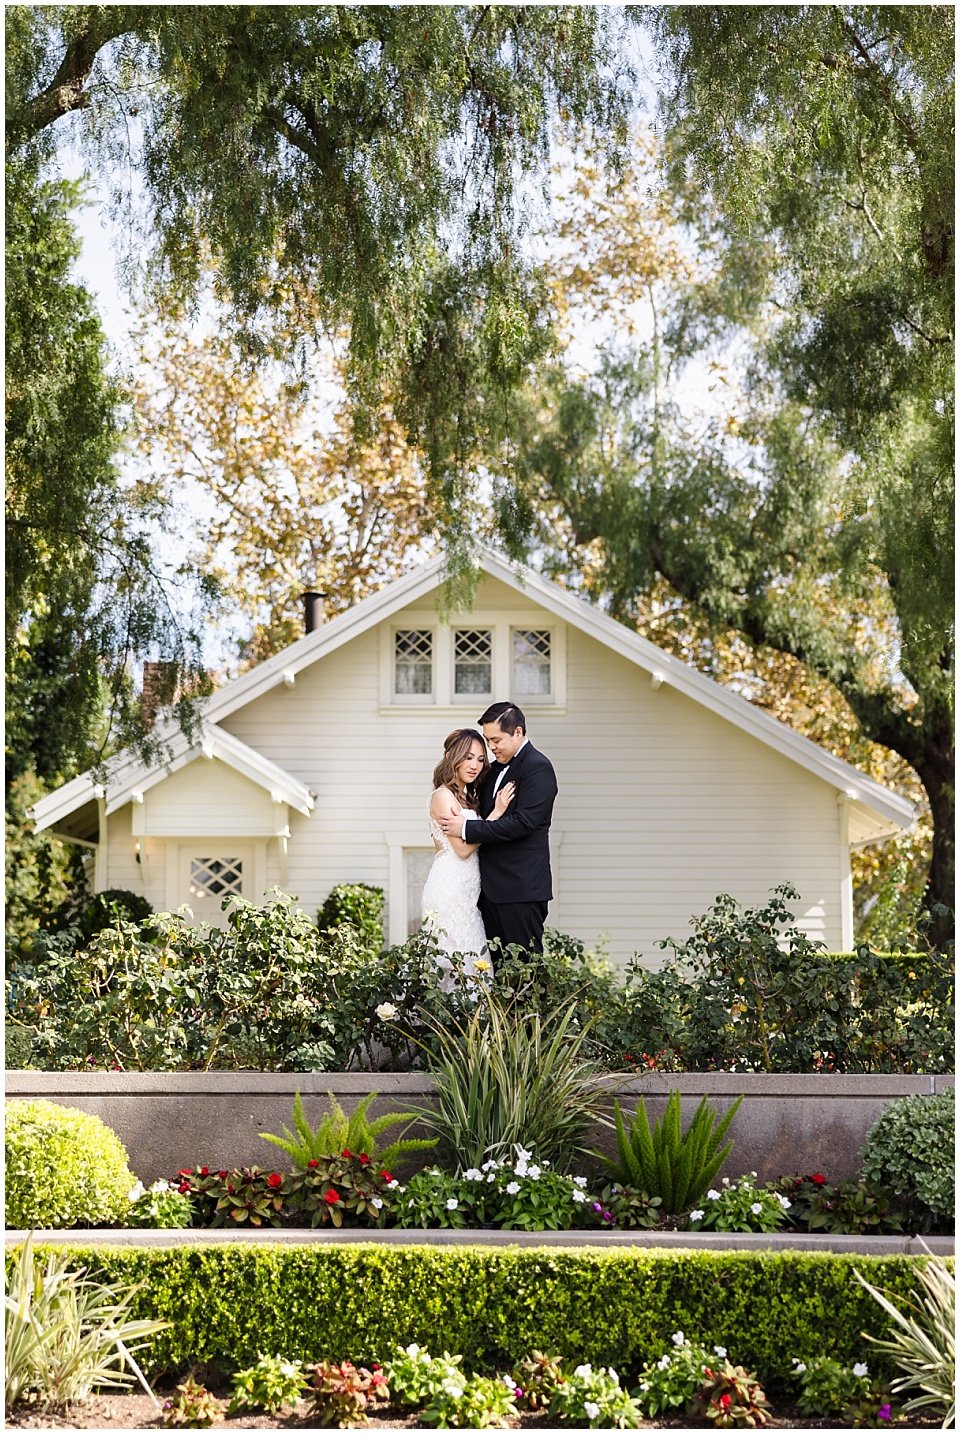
<point x="662" y="804"/>
<point x="207" y="798"/>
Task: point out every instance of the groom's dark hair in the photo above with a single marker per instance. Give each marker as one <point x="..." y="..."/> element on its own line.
<point x="507" y="714"/>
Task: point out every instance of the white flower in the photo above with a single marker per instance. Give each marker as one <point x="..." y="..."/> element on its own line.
<point x="580" y="1180"/>
<point x="393" y="1184"/>
<point x="376" y="1202"/>
<point x="510" y="1383"/>
<point x="161" y="1187"/>
<point x="664" y="1362"/>
<point x="590" y="1409"/>
<point x="859" y="1370"/>
<point x="521" y="1168"/>
<point x="473" y="1175"/>
<point x="696" y="1215"/>
<point x="801" y="1367"/>
<point x="754" y="1174"/>
<point x="489" y="1165"/>
<point x="455" y="1391"/>
<point x="784" y="1202"/>
<point x="413" y="1350"/>
<point x="756" y="1208"/>
<point x="583" y="1371"/>
<point x="387" y="1011"/>
<point x="135" y="1191"/>
<point x="491" y="1177"/>
<point x="513" y="1187"/>
<point x="579" y="1196"/>
<point x="523" y="1154"/>
<point x="678" y="1338"/>
<point x="452" y="1203"/>
<point x="725" y="1180"/>
<point x="720" y="1350"/>
<point x="534" y="1172"/>
<point x="713" y="1194"/>
<point x="290" y="1371"/>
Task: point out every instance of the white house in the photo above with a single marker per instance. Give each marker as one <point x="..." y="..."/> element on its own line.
<point x="314" y="768"/>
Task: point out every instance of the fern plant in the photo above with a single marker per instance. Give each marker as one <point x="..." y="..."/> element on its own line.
<point x="666" y="1162"/>
<point x="337" y="1132"/>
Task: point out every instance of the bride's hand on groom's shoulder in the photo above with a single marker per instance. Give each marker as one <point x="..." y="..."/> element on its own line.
<point x="504" y="798"/>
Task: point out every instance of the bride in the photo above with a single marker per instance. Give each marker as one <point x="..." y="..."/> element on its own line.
<point x="452" y="887"/>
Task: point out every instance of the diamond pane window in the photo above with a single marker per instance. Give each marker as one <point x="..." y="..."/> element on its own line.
<point x="472" y="662"/>
<point x="218" y="876"/>
<point x="413" y="663"/>
<point x="531" y="663"/>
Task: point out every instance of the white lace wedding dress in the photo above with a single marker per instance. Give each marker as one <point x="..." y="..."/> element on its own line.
<point x="450" y="906"/>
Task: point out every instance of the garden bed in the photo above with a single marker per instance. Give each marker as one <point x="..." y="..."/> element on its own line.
<point x="787" y="1124"/>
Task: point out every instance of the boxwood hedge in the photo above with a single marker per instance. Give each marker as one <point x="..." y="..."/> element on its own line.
<point x="228" y="1303"/>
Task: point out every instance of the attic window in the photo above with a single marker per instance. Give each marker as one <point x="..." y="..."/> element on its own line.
<point x="413" y="663"/>
<point x="473" y="662"/>
<point x="531" y="662"/>
<point x="217" y="876"/>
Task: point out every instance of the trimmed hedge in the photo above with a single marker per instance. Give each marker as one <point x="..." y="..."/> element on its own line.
<point x="227" y="1304"/>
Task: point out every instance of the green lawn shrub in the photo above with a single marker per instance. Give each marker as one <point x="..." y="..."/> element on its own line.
<point x="274" y="992"/>
<point x="229" y="1304"/>
<point x="358" y="905"/>
<point x="909" y="1151"/>
<point x="63" y="1168"/>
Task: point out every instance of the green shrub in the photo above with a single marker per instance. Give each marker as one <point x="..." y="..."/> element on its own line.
<point x="909" y="1151"/>
<point x="603" y="1307"/>
<point x="63" y="1168"/>
<point x="355" y="904"/>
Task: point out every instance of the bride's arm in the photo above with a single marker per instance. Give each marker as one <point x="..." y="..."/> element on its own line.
<point x="443" y="804"/>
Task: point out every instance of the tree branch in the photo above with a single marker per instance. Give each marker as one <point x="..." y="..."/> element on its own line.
<point x="67" y="91"/>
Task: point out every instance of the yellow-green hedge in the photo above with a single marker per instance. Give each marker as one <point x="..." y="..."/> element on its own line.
<point x="227" y="1303"/>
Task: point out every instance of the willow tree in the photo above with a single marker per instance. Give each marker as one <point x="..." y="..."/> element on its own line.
<point x="368" y="157"/>
<point x="810" y="151"/>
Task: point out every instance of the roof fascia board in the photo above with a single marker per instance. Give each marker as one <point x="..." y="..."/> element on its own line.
<point x="711" y="694"/>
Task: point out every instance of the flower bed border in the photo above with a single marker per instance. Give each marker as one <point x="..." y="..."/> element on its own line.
<point x="677" y="1240"/>
<point x="788" y="1124"/>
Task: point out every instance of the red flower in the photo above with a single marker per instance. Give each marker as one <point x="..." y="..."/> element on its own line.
<point x="312" y="1164"/>
<point x="203" y="1170"/>
<point x="345" y="1154"/>
<point x="274" y="1180"/>
<point x="724" y="1401"/>
<point x="385" y="1175"/>
<point x="364" y="1159"/>
<point x="819" y="1179"/>
<point x="183" y="1187"/>
<point x="223" y="1174"/>
<point x="332" y="1198"/>
<point x="182" y="1173"/>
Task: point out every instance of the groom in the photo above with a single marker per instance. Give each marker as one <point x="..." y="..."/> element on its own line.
<point x="515" y="884"/>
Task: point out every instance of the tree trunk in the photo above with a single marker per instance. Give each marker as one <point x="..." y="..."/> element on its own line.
<point x="936" y="771"/>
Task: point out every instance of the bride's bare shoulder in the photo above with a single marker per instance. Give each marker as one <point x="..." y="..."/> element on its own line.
<point x="443" y="803"/>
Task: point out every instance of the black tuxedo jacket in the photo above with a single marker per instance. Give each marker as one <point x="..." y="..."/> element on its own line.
<point x="515" y="851"/>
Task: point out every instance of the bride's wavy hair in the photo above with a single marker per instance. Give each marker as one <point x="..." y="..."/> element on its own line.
<point x="456" y="747"/>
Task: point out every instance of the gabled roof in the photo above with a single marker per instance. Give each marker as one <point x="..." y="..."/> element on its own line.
<point x="875" y="811"/>
<point x="131" y="780"/>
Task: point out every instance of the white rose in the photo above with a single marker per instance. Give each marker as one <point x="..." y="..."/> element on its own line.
<point x="387" y="1011"/>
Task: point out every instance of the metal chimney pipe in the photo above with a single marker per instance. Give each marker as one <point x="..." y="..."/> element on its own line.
<point x="313" y="611"/>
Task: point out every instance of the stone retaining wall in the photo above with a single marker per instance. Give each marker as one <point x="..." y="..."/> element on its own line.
<point x="786" y="1125"/>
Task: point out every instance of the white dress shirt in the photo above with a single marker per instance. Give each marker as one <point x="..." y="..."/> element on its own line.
<point x="496" y="787"/>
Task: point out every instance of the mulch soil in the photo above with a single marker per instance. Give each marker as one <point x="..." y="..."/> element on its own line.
<point x="136" y="1411"/>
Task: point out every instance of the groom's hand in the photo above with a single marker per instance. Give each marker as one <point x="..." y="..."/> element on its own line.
<point x="452" y="825"/>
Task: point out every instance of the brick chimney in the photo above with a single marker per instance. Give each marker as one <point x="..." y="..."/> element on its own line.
<point x="159" y="689"/>
<point x="314" y="611"/>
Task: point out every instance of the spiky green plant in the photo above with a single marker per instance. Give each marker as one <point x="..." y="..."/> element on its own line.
<point x="507" y="1077"/>
<point x="666" y="1161"/>
<point x="65" y="1335"/>
<point x="922" y="1342"/>
<point x="337" y="1132"/>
